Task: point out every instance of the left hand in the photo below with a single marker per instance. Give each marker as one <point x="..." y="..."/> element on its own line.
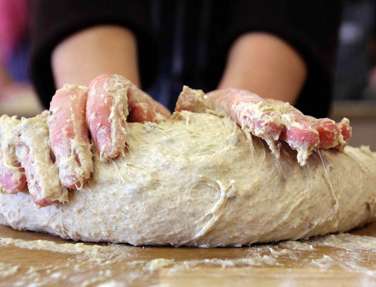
<point x="271" y="120"/>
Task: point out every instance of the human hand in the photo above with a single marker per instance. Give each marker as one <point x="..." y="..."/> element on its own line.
<point x="101" y="110"/>
<point x="271" y="120"/>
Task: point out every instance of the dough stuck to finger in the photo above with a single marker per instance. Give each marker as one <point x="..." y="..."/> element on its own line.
<point x="107" y="112"/>
<point x="34" y="154"/>
<point x="69" y="135"/>
<point x="271" y="120"/>
<point x="12" y="176"/>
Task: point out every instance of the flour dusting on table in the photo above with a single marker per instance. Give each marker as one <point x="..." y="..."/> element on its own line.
<point x="92" y="264"/>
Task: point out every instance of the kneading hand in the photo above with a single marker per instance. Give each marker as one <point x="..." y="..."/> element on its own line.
<point x="102" y="109"/>
<point x="271" y="120"/>
<point x="28" y="147"/>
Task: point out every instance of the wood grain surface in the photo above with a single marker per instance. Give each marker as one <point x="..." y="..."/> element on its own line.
<point x="35" y="259"/>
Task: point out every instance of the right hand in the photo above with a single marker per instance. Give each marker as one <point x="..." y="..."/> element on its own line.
<point x="102" y="110"/>
<point x="75" y="111"/>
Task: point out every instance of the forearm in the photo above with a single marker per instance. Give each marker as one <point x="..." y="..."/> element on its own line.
<point x="95" y="51"/>
<point x="264" y="64"/>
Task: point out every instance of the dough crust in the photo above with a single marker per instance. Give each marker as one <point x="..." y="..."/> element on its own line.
<point x="198" y="180"/>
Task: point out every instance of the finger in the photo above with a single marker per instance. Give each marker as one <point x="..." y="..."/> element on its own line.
<point x="302" y="139"/>
<point x="33" y="152"/>
<point x="142" y="108"/>
<point x="106" y="113"/>
<point x="261" y="120"/>
<point x="332" y="134"/>
<point x="300" y="132"/>
<point x="192" y="100"/>
<point x="69" y="135"/>
<point x="329" y="133"/>
<point x="345" y="130"/>
<point x="12" y="177"/>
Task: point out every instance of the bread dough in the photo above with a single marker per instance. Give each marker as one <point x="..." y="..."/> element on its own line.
<point x="199" y="180"/>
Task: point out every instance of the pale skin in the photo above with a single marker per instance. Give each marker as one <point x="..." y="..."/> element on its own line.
<point x="112" y="50"/>
<point x="265" y="65"/>
<point x="95" y="51"/>
<point x="98" y="107"/>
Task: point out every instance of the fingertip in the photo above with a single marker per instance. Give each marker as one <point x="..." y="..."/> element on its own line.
<point x="328" y="132"/>
<point x="345" y="128"/>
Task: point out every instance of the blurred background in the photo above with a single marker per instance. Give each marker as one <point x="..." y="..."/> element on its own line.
<point x="355" y="76"/>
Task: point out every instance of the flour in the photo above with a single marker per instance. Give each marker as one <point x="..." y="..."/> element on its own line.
<point x="348" y="242"/>
<point x="120" y="265"/>
<point x="67" y="248"/>
<point x="111" y="283"/>
<point x="8" y="270"/>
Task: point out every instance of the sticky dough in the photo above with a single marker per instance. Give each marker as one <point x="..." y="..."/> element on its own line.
<point x="198" y="180"/>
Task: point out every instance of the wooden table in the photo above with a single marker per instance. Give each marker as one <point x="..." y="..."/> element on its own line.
<point x="43" y="260"/>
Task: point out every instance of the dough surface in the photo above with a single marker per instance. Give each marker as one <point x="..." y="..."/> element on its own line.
<point x="198" y="180"/>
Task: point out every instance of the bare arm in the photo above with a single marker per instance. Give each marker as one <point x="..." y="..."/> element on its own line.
<point x="94" y="51"/>
<point x="266" y="65"/>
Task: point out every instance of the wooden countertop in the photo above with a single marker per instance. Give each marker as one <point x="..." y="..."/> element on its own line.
<point x="43" y="260"/>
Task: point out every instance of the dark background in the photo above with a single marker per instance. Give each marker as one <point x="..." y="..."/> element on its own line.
<point x="355" y="76"/>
